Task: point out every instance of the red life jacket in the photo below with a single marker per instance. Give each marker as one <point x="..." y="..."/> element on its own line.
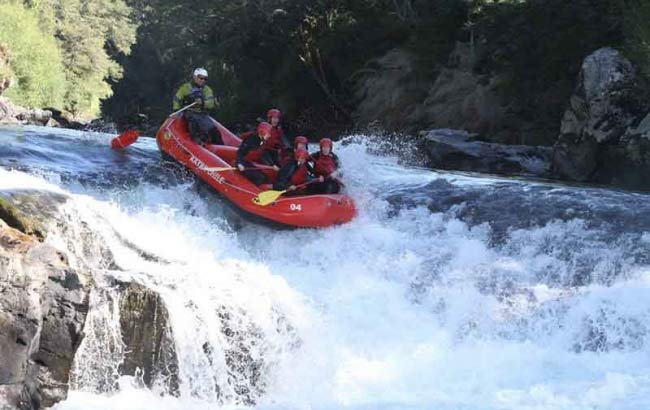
<point x="275" y="140"/>
<point x="324" y="165"/>
<point x="300" y="176"/>
<point x="255" y="155"/>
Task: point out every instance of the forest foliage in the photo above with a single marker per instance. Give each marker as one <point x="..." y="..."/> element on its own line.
<point x="62" y="53"/>
<point x="304" y="56"/>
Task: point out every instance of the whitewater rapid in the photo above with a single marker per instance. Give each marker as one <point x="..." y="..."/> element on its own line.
<point x="447" y="292"/>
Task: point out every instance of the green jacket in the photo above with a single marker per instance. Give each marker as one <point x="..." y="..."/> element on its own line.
<point x="184" y="93"/>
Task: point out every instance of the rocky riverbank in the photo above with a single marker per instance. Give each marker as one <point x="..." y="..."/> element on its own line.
<point x="604" y="135"/>
<point x="44" y="307"/>
<point x="11" y="113"/>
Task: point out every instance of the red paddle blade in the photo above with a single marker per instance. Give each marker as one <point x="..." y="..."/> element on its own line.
<point x="124" y="139"/>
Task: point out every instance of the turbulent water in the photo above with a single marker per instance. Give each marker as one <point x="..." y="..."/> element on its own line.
<point x="447" y="291"/>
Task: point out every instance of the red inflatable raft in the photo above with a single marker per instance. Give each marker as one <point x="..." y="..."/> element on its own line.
<point x="297" y="211"/>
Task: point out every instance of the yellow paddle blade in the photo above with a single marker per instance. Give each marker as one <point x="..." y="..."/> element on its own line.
<point x="267" y="197"/>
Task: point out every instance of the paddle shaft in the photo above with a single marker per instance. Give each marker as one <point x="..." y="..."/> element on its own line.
<point x="302" y="185"/>
<point x="219" y="169"/>
<point x="182" y="109"/>
<point x="335" y="179"/>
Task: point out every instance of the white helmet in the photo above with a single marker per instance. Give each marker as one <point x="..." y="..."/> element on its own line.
<point x="201" y="71"/>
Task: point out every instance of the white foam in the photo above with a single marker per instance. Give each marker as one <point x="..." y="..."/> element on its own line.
<point x="16" y="180"/>
<point x="412" y="311"/>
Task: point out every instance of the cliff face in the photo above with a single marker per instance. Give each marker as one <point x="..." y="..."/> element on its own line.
<point x="43" y="307"/>
<point x="604" y="132"/>
<point x="395" y="96"/>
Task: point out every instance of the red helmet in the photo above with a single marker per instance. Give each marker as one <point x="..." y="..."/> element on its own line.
<point x="300" y="140"/>
<point x="326" y="142"/>
<point x="273" y="113"/>
<point x="264" y="128"/>
<point x="301" y="154"/>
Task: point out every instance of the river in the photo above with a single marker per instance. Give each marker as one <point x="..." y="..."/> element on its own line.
<point x="448" y="291"/>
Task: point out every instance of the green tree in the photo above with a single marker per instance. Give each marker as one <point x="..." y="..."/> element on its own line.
<point x="34" y="58"/>
<point x="91" y="34"/>
<point x="300" y="54"/>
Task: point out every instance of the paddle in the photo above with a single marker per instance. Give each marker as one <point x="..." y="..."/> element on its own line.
<point x="219" y="169"/>
<point x="338" y="181"/>
<point x="125" y="139"/>
<point x="334" y="177"/>
<point x="183" y="109"/>
<point x="128" y="137"/>
<point x="267" y="197"/>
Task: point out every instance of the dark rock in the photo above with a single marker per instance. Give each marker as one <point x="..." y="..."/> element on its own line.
<point x="392" y="94"/>
<point x="65" y="119"/>
<point x="603" y="132"/>
<point x="146" y="333"/>
<point x="43" y="306"/>
<point x="389" y="92"/>
<point x="575" y="158"/>
<point x="461" y="99"/>
<point x="41" y="321"/>
<point x="459" y="150"/>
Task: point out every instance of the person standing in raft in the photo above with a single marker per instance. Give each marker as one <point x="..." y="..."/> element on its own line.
<point x="256" y="148"/>
<point x="295" y="172"/>
<point x="201" y="126"/>
<point x="326" y="164"/>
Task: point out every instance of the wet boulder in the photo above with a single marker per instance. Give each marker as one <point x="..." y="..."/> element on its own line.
<point x="146" y="333"/>
<point x="460" y="150"/>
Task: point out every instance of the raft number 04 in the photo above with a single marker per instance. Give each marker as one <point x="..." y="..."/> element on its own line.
<point x="295" y="207"/>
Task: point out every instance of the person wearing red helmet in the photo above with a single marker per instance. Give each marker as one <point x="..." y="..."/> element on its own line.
<point x="274" y="116"/>
<point x="326" y="164"/>
<point x="256" y="148"/>
<point x="295" y="172"/>
<point x="278" y="138"/>
<point x="299" y="142"/>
